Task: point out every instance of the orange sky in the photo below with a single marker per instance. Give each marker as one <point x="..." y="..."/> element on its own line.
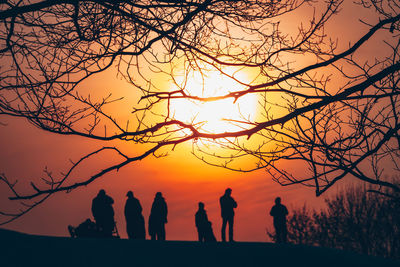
<point x="183" y="180"/>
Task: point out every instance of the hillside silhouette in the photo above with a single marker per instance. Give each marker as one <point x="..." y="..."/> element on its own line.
<point x="17" y="249"/>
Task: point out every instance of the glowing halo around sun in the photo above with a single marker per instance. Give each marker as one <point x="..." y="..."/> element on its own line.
<point x="214" y="116"/>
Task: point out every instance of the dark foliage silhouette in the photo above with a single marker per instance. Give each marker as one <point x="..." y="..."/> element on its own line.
<point x="135" y="226"/>
<point x="228" y="204"/>
<point x="279" y="212"/>
<point x="325" y="106"/>
<point x="353" y="220"/>
<point x="158" y="218"/>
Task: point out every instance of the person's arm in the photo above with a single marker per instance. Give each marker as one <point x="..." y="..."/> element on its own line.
<point x="272" y="212"/>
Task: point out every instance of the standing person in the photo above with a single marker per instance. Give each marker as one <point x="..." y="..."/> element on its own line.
<point x="134" y="218"/>
<point x="103" y="213"/>
<point x="158" y="218"/>
<point x="227" y="213"/>
<point x="279" y="213"/>
<point x="201" y="221"/>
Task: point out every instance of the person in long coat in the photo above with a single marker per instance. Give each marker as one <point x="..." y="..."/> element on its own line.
<point x="134" y="218"/>
<point x="158" y="218"/>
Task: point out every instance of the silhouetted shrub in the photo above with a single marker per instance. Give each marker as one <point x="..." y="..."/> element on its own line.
<point x="353" y="219"/>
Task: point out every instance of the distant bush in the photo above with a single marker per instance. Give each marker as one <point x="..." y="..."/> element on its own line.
<point x="354" y="219"/>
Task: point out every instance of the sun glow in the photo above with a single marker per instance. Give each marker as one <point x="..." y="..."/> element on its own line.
<point x="214" y="116"/>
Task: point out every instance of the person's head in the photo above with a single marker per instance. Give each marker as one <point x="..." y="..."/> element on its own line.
<point x="278" y="200"/>
<point x="201" y="206"/>
<point x="228" y="191"/>
<point x="102" y="192"/>
<point x="158" y="195"/>
<point x="129" y="194"/>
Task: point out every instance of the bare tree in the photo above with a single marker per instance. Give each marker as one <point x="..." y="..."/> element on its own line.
<point x="48" y="48"/>
<point x="353" y="219"/>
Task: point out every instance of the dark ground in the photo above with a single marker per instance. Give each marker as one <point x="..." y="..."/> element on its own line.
<point x="17" y="249"/>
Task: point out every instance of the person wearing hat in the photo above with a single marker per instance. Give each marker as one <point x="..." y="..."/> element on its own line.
<point x="134" y="218"/>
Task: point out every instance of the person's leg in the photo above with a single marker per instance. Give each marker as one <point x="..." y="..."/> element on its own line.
<point x="230" y="222"/>
<point x="278" y="233"/>
<point x="129" y="230"/>
<point x="157" y="230"/>
<point x="203" y="234"/>
<point x="200" y="234"/>
<point x="162" y="232"/>
<point x="223" y="229"/>
<point x="284" y="234"/>
<point x="100" y="228"/>
<point x="105" y="230"/>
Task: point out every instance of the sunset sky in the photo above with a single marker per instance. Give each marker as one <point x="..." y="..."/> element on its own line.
<point x="184" y="180"/>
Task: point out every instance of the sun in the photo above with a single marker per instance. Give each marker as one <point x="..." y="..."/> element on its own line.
<point x="225" y="115"/>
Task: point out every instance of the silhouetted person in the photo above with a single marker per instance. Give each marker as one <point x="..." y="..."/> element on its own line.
<point x="158" y="218"/>
<point x="227" y="213"/>
<point x="134" y="218"/>
<point x="279" y="213"/>
<point x="103" y="213"/>
<point x="87" y="229"/>
<point x="201" y="221"/>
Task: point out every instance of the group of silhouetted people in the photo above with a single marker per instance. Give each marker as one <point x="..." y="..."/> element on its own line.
<point x="135" y="225"/>
<point x="105" y="226"/>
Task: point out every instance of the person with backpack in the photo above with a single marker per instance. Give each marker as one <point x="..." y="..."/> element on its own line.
<point x="103" y="213"/>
